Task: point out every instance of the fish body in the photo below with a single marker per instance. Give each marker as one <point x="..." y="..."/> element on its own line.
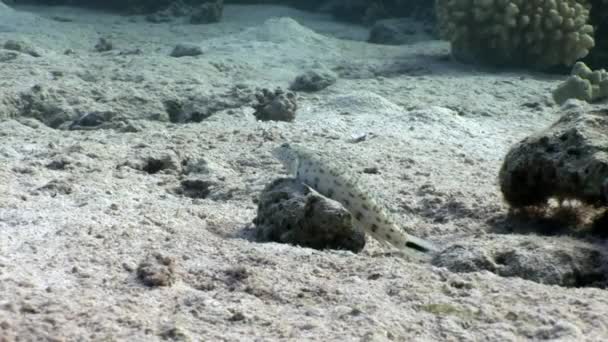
<point x="338" y="183"/>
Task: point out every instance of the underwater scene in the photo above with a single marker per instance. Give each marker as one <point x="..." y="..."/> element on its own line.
<point x="291" y="170"/>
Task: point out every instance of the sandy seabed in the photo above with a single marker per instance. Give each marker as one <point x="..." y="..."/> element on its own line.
<point x="82" y="210"/>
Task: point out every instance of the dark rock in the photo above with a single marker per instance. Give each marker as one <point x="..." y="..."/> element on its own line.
<point x="210" y="12"/>
<point x="157" y="270"/>
<point x="172" y="10"/>
<point x="147" y="6"/>
<point x="45" y="104"/>
<point x="276" y="106"/>
<point x="103" y="45"/>
<point x="21" y="46"/>
<point x="196" y="188"/>
<point x="56" y="187"/>
<point x="196" y="107"/>
<point x="160" y="162"/>
<point x="92" y="119"/>
<point x="569" y="160"/>
<point x="6" y="56"/>
<point x="288" y="212"/>
<point x="186" y="49"/>
<point x="552" y="261"/>
<point x="313" y="80"/>
<point x="159" y="17"/>
<point x="368" y="11"/>
<point x="398" y="32"/>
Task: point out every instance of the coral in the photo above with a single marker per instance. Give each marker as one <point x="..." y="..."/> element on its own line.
<point x="536" y="33"/>
<point x="583" y="84"/>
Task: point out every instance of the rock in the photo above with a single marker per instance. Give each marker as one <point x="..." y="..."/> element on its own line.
<point x="92" y="119"/>
<point x="159" y="17"/>
<point x="353" y="10"/>
<point x="276" y="106"/>
<point x="173" y="10"/>
<point x="398" y="31"/>
<point x="196" y="107"/>
<point x="163" y="162"/>
<point x="157" y="270"/>
<point x="48" y="105"/>
<point x="288" y="212"/>
<point x="175" y="334"/>
<point x="196" y="188"/>
<point x="569" y="160"/>
<point x="103" y="45"/>
<point x="545" y="260"/>
<point x="21" y="46"/>
<point x="186" y="49"/>
<point x="6" y="56"/>
<point x="313" y="80"/>
<point x="368" y="11"/>
<point x="210" y="12"/>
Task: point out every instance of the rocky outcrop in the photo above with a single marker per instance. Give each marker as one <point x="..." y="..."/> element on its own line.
<point x="288" y="212"/>
<point x="568" y="160"/>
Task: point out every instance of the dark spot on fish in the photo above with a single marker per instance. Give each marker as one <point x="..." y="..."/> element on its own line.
<point x="415" y="246"/>
<point x="359" y="216"/>
<point x="388" y="236"/>
<point x="374" y="228"/>
<point x="365" y="207"/>
<point x="330" y="192"/>
<point x="337" y="182"/>
<point x="346" y="202"/>
<point x="351" y="195"/>
<point x="321" y="171"/>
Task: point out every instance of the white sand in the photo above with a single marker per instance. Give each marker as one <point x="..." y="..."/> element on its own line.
<point x="437" y="132"/>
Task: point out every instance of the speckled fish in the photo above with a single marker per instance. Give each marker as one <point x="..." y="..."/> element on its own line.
<point x="335" y="182"/>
